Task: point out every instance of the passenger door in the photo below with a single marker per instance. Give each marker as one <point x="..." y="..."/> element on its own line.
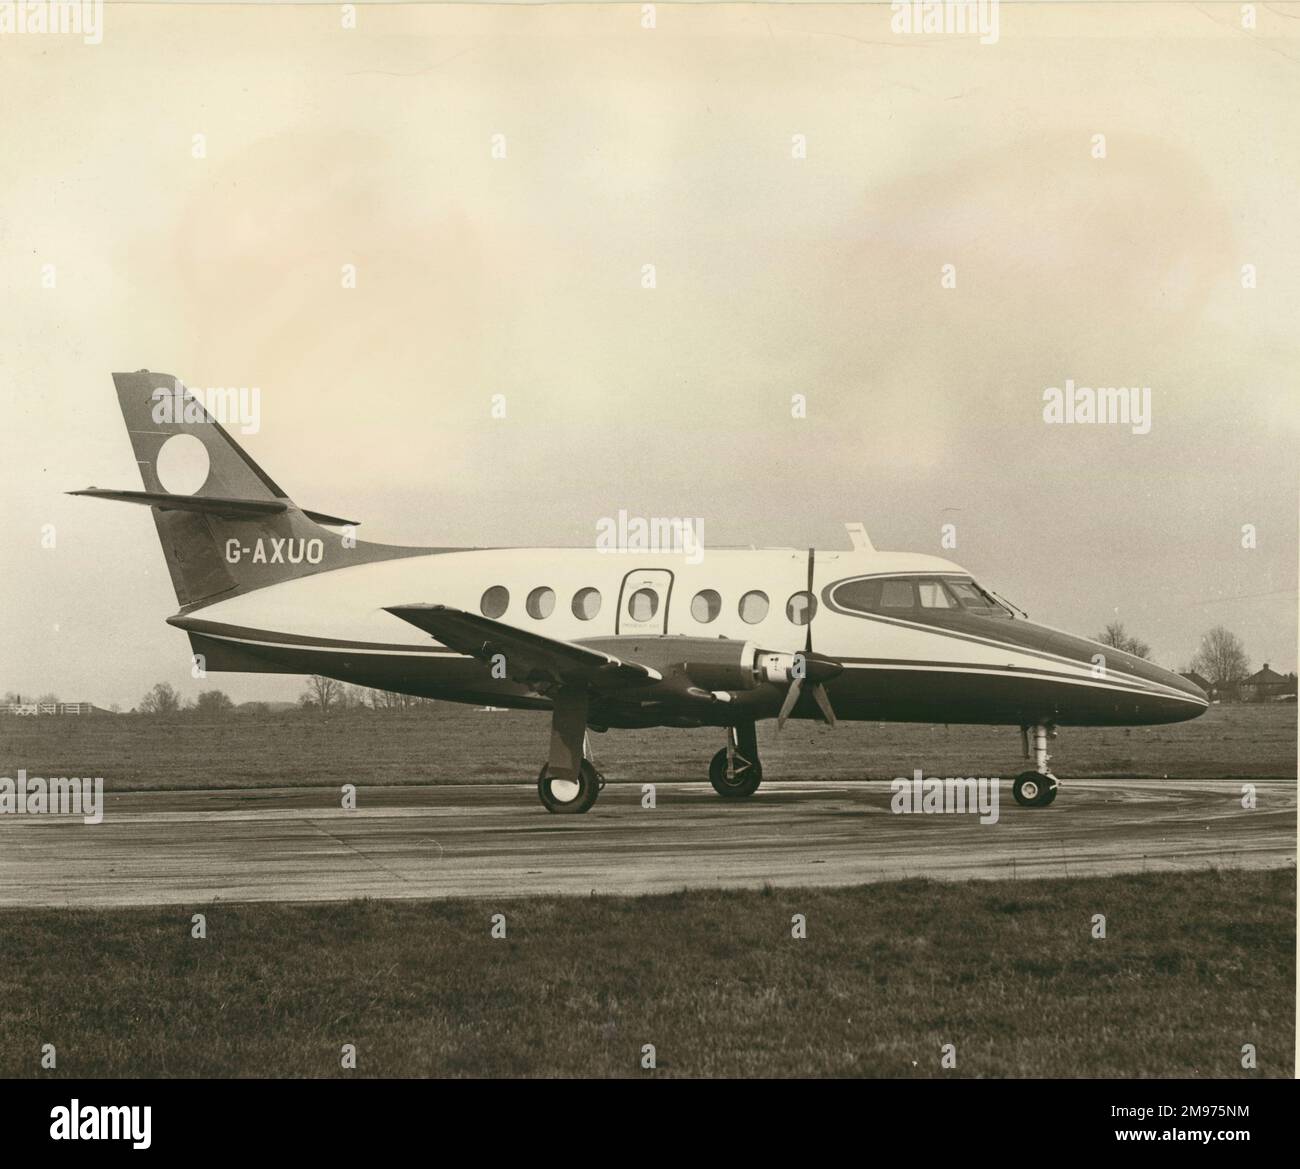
<point x="643" y="601"/>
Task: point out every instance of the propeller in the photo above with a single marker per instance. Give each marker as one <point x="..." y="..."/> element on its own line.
<point x="817" y="669"/>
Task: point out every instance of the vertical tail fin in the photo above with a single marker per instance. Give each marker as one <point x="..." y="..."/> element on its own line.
<point x="180" y="448"/>
<point x="224" y="524"/>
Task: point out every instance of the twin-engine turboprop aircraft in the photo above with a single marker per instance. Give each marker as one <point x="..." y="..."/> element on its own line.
<point x="606" y="639"/>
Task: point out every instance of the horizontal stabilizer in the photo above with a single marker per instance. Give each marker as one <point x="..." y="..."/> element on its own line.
<point x="529" y="657"/>
<point x="231" y="509"/>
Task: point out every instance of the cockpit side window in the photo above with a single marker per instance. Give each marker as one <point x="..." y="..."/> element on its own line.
<point x="898" y="595"/>
<point x="889" y="595"/>
<point x="933" y="595"/>
<point x="972" y="600"/>
<point x="861" y="596"/>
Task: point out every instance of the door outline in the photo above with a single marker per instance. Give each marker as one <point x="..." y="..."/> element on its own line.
<point x="666" y="596"/>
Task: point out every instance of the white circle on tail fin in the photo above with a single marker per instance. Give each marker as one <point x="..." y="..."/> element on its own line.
<point x="182" y="464"/>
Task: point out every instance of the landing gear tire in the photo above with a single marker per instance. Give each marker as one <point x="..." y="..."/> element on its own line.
<point x="564" y="796"/>
<point x="1034" y="790"/>
<point x="745" y="778"/>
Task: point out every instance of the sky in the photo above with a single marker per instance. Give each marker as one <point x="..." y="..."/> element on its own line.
<point x="779" y="269"/>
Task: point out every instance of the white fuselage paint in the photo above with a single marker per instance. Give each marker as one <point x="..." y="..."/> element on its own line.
<point x="348" y="604"/>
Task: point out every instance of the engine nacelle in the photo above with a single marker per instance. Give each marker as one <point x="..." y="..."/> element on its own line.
<point x="778" y="668"/>
<point x="718" y="664"/>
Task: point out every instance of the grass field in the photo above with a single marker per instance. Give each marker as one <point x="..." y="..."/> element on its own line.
<point x="457" y="744"/>
<point x="1193" y="967"/>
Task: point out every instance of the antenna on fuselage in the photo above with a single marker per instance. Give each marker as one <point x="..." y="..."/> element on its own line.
<point x="858" y="537"/>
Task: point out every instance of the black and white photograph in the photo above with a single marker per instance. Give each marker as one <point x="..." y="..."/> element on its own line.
<point x="747" y="542"/>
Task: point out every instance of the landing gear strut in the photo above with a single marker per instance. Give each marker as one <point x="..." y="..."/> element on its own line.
<point x="1037" y="788"/>
<point x="569" y="781"/>
<point x="735" y="770"/>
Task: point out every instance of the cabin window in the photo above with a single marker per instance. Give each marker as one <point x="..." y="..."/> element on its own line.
<point x="540" y="603"/>
<point x="495" y="601"/>
<point x="753" y="607"/>
<point x="643" y="604"/>
<point x="801" y="608"/>
<point x="706" y="605"/>
<point x="586" y="604"/>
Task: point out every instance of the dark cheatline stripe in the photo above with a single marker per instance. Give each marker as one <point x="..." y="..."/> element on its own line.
<point x="1123" y="684"/>
<point x="242" y="633"/>
<point x="1021" y="640"/>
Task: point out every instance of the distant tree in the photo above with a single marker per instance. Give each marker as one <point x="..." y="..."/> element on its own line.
<point x="11" y="696"/>
<point x="48" y="696"/>
<point x="162" y="699"/>
<point x="256" y="708"/>
<point x="392" y="700"/>
<point x="321" y="693"/>
<point x="1117" y="637"/>
<point x="1221" y="659"/>
<point x="351" y="697"/>
<point x="213" y="702"/>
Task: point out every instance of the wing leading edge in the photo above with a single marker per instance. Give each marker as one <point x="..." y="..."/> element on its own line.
<point x="528" y="657"/>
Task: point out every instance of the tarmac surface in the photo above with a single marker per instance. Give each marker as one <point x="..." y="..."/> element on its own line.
<point x="496" y="841"/>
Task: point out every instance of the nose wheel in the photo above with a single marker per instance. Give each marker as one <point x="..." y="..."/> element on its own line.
<point x="1032" y="789"/>
<point x="735" y="771"/>
<point x="1037" y="788"/>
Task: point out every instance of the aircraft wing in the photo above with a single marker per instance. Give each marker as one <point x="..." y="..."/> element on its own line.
<point x="529" y="657"/>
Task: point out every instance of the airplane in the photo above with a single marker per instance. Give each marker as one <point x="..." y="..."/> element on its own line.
<point x="606" y="638"/>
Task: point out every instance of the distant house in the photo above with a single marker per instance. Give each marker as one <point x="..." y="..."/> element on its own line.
<point x="47" y="708"/>
<point x="1266" y="685"/>
<point x="1197" y="680"/>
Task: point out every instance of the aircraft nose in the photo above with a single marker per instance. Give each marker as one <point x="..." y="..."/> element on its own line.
<point x="1186" y="685"/>
<point x="1142" y="691"/>
<point x="1183" y="688"/>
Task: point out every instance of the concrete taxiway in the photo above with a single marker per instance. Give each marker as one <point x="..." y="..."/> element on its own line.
<point x="495" y="841"/>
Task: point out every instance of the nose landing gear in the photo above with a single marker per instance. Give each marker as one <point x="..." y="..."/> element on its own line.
<point x="1037" y="788"/>
<point x="735" y="770"/>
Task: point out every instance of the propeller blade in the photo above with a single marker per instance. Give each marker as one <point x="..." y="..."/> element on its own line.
<point x="807" y="644"/>
<point x="824" y="701"/>
<point x="791" y="698"/>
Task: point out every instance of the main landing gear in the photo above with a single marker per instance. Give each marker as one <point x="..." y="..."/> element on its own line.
<point x="735" y="770"/>
<point x="1037" y="788"/>
<point x="570" y="795"/>
<point x="569" y="781"/>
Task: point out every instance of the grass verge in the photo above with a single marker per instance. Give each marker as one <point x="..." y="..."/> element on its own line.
<point x="1192" y="967"/>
